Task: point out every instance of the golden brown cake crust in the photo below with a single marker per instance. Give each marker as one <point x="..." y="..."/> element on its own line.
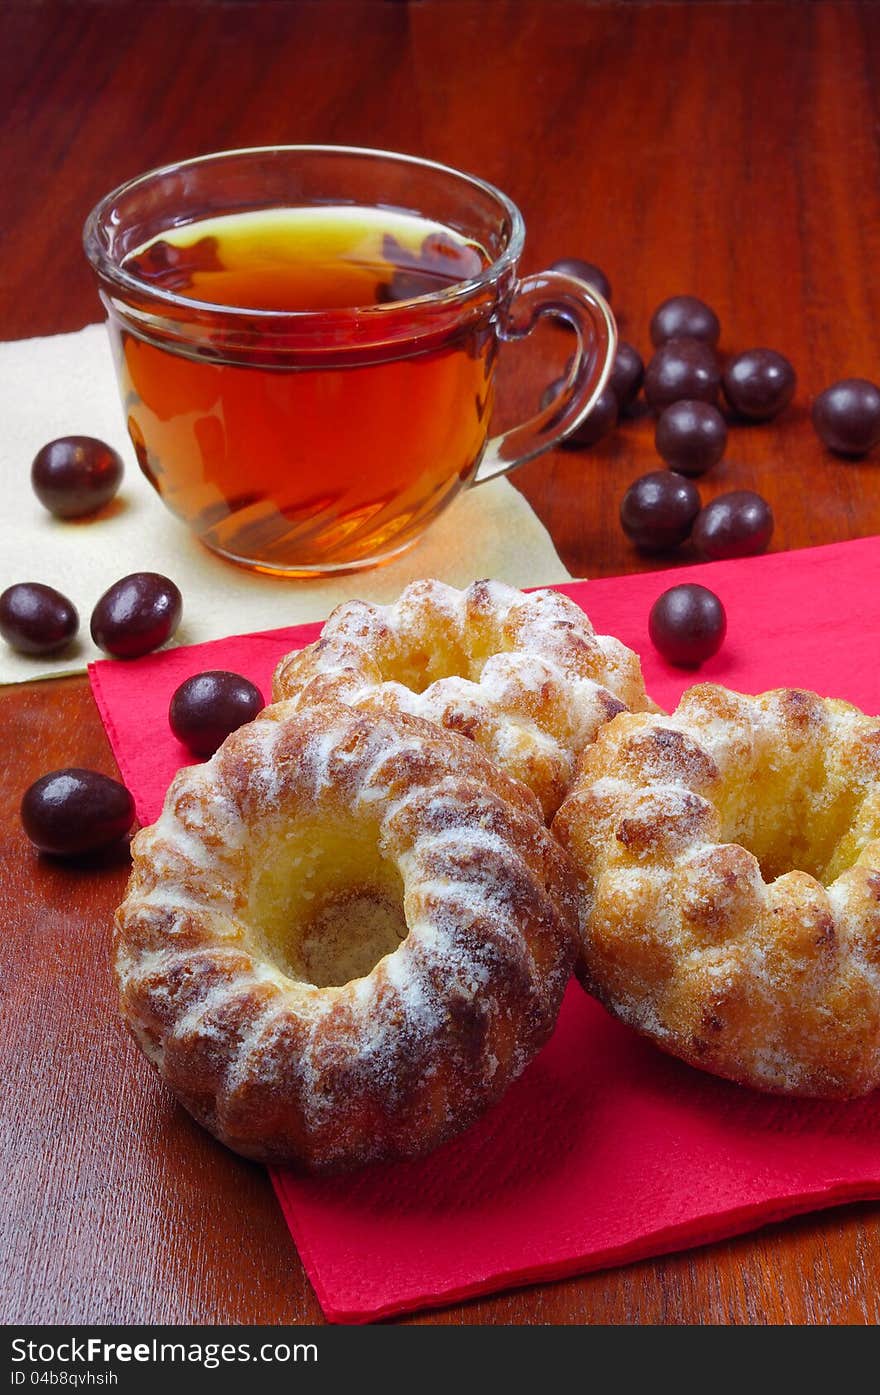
<point x="729" y="867"/>
<point x="525" y="676"/>
<point x="344" y="937"/>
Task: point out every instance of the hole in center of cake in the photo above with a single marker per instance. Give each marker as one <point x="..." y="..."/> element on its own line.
<point x="348" y="935"/>
<point x="442" y="654"/>
<point x="798" y="825"/>
<point x="325" y="906"/>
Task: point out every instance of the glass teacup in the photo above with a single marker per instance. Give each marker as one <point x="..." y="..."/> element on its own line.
<point x="306" y="340"/>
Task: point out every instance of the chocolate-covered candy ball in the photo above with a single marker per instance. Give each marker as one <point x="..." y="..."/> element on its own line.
<point x="738" y="524"/>
<point x="73" y="811"/>
<point x="76" y="475"/>
<point x="684" y="317"/>
<point x="36" y="619"/>
<point x="208" y="706"/>
<point x="690" y="436"/>
<point x="687" y="624"/>
<point x="847" y="416"/>
<point x="627" y="375"/>
<point x="682" y="369"/>
<point x="136" y="615"/>
<point x="601" y="419"/>
<point x="658" y="510"/>
<point x="551" y="392"/>
<point x="759" y="383"/>
<point x="585" y="271"/>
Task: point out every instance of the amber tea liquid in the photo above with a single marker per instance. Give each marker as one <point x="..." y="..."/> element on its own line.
<point x="309" y="448"/>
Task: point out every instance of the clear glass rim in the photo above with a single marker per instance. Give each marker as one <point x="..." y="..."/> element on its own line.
<point x="460" y="291"/>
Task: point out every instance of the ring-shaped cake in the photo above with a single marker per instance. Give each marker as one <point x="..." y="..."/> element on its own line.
<point x="729" y="867"/>
<point x="523" y="675"/>
<point x="345" y="936"/>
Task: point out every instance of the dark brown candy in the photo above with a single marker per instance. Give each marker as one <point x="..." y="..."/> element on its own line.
<point x="585" y="271"/>
<point x="208" y="706"/>
<point x="847" y="416"/>
<point x="738" y="524"/>
<point x="684" y="317"/>
<point x="627" y="375"/>
<point x="75" y="475"/>
<point x="682" y="369"/>
<point x="74" y="811"/>
<point x="691" y="436"/>
<point x="599" y="421"/>
<point x="658" y="510"/>
<point x="36" y="619"/>
<point x="601" y="418"/>
<point x="136" y="615"/>
<point x="759" y="383"/>
<point x="687" y="624"/>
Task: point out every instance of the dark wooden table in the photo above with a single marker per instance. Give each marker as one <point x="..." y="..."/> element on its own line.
<point x="729" y="150"/>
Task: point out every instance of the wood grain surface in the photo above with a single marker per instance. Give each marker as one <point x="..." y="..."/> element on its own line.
<point x="729" y="150"/>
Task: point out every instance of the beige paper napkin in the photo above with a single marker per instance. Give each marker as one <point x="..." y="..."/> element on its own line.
<point x="65" y="385"/>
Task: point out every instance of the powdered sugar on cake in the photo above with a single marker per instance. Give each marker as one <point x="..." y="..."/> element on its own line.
<point x="525" y="676"/>
<point x="308" y="808"/>
<point x="729" y="858"/>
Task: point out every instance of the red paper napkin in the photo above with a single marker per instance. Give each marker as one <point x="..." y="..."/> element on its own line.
<point x="605" y="1150"/>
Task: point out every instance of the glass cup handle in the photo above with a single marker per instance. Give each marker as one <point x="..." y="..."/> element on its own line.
<point x="565" y="298"/>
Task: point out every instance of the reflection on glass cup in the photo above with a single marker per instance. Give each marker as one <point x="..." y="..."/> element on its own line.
<point x="306" y="338"/>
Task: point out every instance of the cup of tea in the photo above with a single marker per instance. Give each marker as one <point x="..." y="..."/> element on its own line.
<point x="306" y="339"/>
